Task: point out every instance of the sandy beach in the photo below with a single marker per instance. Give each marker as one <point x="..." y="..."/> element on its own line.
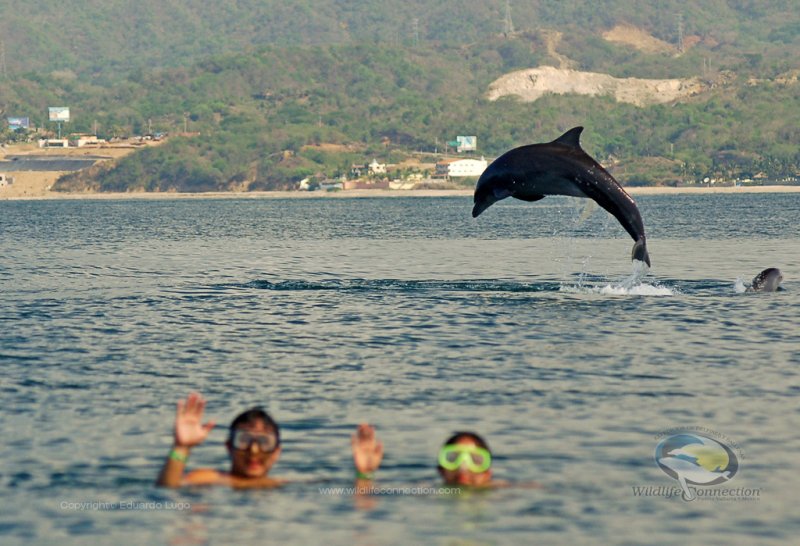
<point x="37" y="184"/>
<point x="39" y="192"/>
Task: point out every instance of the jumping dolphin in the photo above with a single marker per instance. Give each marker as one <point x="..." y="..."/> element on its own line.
<point x="768" y="280"/>
<point x="560" y="167"/>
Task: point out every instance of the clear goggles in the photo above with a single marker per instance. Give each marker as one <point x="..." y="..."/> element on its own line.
<point x="243" y="440"/>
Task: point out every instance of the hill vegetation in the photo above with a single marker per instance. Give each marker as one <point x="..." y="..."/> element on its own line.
<point x="266" y="83"/>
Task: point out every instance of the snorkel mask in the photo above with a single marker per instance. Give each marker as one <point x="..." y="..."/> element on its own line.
<point x="477" y="459"/>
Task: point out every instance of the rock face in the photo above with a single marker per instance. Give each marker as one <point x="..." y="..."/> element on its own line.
<point x="638" y="38"/>
<point x="531" y="84"/>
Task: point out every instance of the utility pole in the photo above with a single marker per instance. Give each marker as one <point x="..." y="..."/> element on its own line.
<point x="680" y="33"/>
<point x="3" y="68"/>
<point x="508" y="25"/>
<point x="415" y="26"/>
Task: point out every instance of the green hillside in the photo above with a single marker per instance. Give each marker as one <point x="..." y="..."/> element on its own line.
<point x="389" y="80"/>
<point x="100" y="38"/>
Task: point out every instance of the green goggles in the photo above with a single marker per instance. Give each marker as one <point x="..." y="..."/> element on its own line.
<point x="476" y="458"/>
<point x="242" y="440"/>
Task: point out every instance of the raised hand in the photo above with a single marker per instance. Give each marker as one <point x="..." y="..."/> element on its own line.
<point x="189" y="430"/>
<point x="367" y="450"/>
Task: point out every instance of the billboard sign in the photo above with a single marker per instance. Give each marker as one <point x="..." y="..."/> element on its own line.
<point x="59" y="113"/>
<point x="467" y="143"/>
<point x="16" y="124"/>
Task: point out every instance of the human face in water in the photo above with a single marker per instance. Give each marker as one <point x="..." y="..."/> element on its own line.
<point x="474" y="469"/>
<point x="253" y="449"/>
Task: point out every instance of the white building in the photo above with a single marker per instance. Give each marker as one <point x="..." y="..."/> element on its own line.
<point x="461" y="167"/>
<point x="81" y="140"/>
<point x="377" y="168"/>
<point x="53" y="143"/>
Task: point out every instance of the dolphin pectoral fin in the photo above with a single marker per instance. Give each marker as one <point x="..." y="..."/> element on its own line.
<point x="529" y="198"/>
<point x="639" y="252"/>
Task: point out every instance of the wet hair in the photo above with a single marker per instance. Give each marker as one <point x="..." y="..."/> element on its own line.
<point x="479" y="441"/>
<point x="253" y="416"/>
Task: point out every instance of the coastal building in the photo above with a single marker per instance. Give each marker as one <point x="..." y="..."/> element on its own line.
<point x="377" y="168"/>
<point x="357" y="170"/>
<point x="318" y="183"/>
<point x="53" y="143"/>
<point x="331" y="185"/>
<point x="453" y="168"/>
<point x="81" y="140"/>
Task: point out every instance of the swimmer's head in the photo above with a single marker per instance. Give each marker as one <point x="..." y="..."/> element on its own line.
<point x="253" y="443"/>
<point x="465" y="459"/>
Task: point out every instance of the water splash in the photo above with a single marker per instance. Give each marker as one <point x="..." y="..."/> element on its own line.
<point x="639" y="271"/>
<point x="639" y="290"/>
<point x="739" y="285"/>
<point x="630" y="286"/>
<point x="588" y="209"/>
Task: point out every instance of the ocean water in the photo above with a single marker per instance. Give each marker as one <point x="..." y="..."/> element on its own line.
<point x="527" y="325"/>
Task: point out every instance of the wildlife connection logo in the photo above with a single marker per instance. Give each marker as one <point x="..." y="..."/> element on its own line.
<point x="703" y="462"/>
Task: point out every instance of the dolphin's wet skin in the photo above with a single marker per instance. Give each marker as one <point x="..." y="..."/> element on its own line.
<point x="561" y="167"/>
<point x="768" y="280"/>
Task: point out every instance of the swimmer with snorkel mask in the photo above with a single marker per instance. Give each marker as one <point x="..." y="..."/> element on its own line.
<point x="464" y="460"/>
<point x="254" y="446"/>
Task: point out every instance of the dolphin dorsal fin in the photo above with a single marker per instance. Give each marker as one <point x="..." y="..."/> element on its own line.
<point x="571" y="138"/>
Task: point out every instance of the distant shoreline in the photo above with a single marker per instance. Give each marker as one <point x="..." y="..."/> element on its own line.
<point x="35" y="185"/>
<point x="638" y="190"/>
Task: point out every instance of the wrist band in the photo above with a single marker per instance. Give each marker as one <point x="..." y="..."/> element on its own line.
<point x="180" y="457"/>
<point x="364" y="475"/>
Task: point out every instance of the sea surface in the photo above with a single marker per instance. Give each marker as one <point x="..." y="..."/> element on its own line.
<point x="528" y="325"/>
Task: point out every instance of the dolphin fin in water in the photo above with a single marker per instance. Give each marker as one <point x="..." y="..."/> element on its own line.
<point x="768" y="280"/>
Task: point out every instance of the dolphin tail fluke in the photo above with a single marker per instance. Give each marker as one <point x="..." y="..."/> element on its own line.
<point x="639" y="252"/>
